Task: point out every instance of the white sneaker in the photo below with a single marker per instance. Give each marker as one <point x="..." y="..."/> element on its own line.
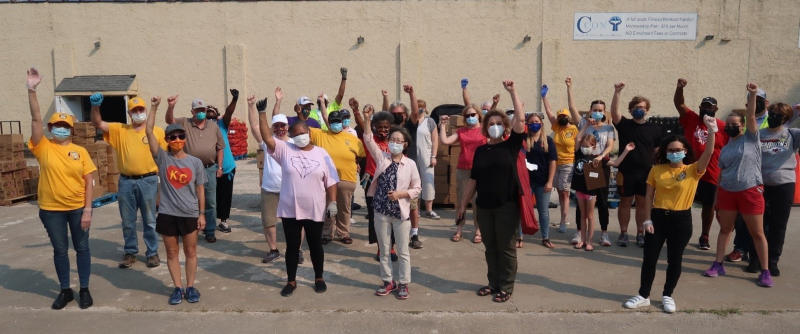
<point x="562" y="227"/>
<point x="576" y="238"/>
<point x="636" y="302"/>
<point x="604" y="239"/>
<point x="669" y="304"/>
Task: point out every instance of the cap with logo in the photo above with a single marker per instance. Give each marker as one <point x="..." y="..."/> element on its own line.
<point x="136" y="102"/>
<point x="709" y="100"/>
<point x="303" y="100"/>
<point x="199" y="104"/>
<point x="280" y="118"/>
<point x="62" y="117"/>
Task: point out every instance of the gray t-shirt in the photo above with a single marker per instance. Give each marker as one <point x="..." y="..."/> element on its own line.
<point x="603" y="133"/>
<point x="777" y="155"/>
<point x="740" y="163"/>
<point x="179" y="179"/>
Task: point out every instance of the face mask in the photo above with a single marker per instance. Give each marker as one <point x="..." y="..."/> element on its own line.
<point x="597" y="115"/>
<point x="346" y="122"/>
<point x="138" y="117"/>
<point x="398" y="118"/>
<point x="534" y="127"/>
<point x="638" y="113"/>
<point x="496" y="131"/>
<point x="176" y="145"/>
<point x="305" y="112"/>
<point x="676" y="157"/>
<point x="301" y="140"/>
<point x="336" y="127"/>
<point x="200" y="115"/>
<point x="774" y="120"/>
<point x="563" y="121"/>
<point x="484" y="111"/>
<point x="710" y="113"/>
<point x="472" y="120"/>
<point x="732" y="131"/>
<point x="395" y="148"/>
<point x="212" y="116"/>
<point x="586" y="150"/>
<point x="60" y="133"/>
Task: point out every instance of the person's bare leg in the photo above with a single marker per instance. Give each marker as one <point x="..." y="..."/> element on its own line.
<point x="414" y="218"/>
<point x="755" y="224"/>
<point x="429" y="206"/>
<point x="271" y="236"/>
<point x="582" y="203"/>
<point x="726" y="222"/>
<point x="475" y="218"/>
<point x="624" y="213"/>
<point x="173" y="260"/>
<point x="589" y="222"/>
<point x="641" y="214"/>
<point x="563" y="204"/>
<point x="190" y="252"/>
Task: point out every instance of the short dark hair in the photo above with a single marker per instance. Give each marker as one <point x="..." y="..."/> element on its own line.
<point x="639" y="99"/>
<point x="300" y="124"/>
<point x="661" y="154"/>
<point x="382" y="116"/>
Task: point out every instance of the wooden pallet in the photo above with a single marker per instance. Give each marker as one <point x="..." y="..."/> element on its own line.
<point x="103" y="200"/>
<point x="16" y="200"/>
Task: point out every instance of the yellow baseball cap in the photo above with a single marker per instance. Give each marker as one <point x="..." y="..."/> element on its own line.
<point x="136" y="102"/>
<point x="62" y="117"/>
<point x="564" y="112"/>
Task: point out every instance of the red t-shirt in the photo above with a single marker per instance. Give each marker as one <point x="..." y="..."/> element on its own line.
<point x="470" y="140"/>
<point x="384" y="145"/>
<point x="696" y="133"/>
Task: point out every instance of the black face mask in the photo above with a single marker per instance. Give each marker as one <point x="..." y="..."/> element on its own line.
<point x="398" y="118"/>
<point x="732" y="131"/>
<point x="774" y="120"/>
<point x="305" y="112"/>
<point x="709" y="112"/>
<point x="563" y="121"/>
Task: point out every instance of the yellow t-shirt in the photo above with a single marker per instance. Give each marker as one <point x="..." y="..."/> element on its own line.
<point x="61" y="172"/>
<point x="564" y="138"/>
<point x="343" y="148"/>
<point x="675" y="187"/>
<point x="132" y="149"/>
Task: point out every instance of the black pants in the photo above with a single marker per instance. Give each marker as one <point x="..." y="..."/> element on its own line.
<point x="778" y="201"/>
<point x="224" y="195"/>
<point x="674" y="227"/>
<point x="742" y="239"/>
<point x="499" y="230"/>
<point x="292" y="231"/>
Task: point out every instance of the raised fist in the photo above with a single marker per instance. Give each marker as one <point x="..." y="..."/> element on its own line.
<point x="752" y="88"/>
<point x="235" y="93"/>
<point x="618" y="87"/>
<point x="508" y="85"/>
<point x="154" y="101"/>
<point x="251" y="100"/>
<point x="384" y="92"/>
<point x="711" y="123"/>
<point x="96" y="99"/>
<point x="172" y="100"/>
<point x="343" y="71"/>
<point x="261" y="105"/>
<point x="568" y="81"/>
<point x="408" y="89"/>
<point x="278" y="93"/>
<point x="682" y="83"/>
<point x="464" y="83"/>
<point x="33" y="78"/>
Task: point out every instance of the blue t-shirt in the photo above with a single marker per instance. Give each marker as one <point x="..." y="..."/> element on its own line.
<point x="228" y="164"/>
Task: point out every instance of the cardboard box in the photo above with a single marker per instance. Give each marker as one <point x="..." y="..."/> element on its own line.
<point x="20" y="174"/>
<point x="11" y="139"/>
<point x="84" y="129"/>
<point x="82" y="141"/>
<point x="30" y="186"/>
<point x="444" y="150"/>
<point x="33" y="172"/>
<point x="112" y="182"/>
<point x="456" y="121"/>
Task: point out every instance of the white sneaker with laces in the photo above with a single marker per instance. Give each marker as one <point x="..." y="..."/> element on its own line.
<point x="669" y="304"/>
<point x="636" y="302"/>
<point x="604" y="239"/>
<point x="576" y="238"/>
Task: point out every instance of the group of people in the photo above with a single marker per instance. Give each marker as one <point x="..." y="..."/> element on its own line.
<point x="180" y="179"/>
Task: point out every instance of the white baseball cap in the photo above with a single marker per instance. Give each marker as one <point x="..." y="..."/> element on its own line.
<point x="280" y="118"/>
<point x="303" y="100"/>
<point x="198" y="103"/>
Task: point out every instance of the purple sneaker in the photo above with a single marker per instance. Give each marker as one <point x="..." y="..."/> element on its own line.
<point x="765" y="279"/>
<point x="716" y="270"/>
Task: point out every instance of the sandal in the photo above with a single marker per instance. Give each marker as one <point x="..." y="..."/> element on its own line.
<point x="547" y="243"/>
<point x="501" y="297"/>
<point x="519" y="243"/>
<point x="485" y="291"/>
<point x="477" y="239"/>
<point x="579" y="245"/>
<point x="588" y="247"/>
<point x="456" y="237"/>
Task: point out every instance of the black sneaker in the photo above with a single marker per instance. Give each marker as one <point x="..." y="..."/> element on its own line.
<point x="415" y="242"/>
<point x="774" y="271"/>
<point x="326" y="241"/>
<point x="84" y="298"/>
<point x="271" y="256"/>
<point x="288" y="290"/>
<point x="703" y="243"/>
<point x="320" y="286"/>
<point x="210" y="238"/>
<point x="753" y="267"/>
<point x="224" y="227"/>
<point x="64" y="297"/>
<point x="355" y="206"/>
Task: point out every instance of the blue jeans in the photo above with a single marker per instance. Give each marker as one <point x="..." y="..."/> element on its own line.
<point x="211" y="199"/>
<point x="56" y="223"/>
<point x="133" y="195"/>
<point x="543" y="206"/>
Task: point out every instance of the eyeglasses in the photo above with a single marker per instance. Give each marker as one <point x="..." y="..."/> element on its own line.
<point x="181" y="136"/>
<point x="397" y="141"/>
<point x="472" y="114"/>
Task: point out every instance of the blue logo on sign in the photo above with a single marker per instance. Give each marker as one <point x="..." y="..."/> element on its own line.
<point x="615" y="22"/>
<point x="584" y="24"/>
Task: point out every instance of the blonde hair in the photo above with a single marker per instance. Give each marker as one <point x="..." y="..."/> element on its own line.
<point x="540" y="133"/>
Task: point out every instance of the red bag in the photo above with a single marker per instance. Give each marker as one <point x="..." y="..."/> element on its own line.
<point x="527" y="202"/>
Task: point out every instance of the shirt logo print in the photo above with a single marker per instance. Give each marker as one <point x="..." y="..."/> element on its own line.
<point x="304" y="166"/>
<point x="701" y="135"/>
<point x="179" y="177"/>
<point x="74" y="155"/>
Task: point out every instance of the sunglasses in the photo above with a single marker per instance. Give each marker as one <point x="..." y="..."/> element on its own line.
<point x="181" y="136"/>
<point x="472" y="114"/>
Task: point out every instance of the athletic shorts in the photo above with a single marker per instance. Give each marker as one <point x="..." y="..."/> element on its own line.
<point x="563" y="178"/>
<point x="746" y="202"/>
<point x="175" y="226"/>
<point x="706" y="193"/>
<point x="633" y="184"/>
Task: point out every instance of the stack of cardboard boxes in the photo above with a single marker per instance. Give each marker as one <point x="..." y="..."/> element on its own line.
<point x="106" y="177"/>
<point x="446" y="162"/>
<point x="16" y="177"/>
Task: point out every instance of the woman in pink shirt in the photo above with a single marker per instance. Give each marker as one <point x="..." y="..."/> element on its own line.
<point x="470" y="138"/>
<point x="396" y="182"/>
<point x="308" y="193"/>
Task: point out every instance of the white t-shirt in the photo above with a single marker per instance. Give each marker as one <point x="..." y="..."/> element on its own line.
<point x="271" y="177"/>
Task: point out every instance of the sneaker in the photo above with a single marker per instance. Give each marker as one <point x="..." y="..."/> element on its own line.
<point x="765" y="279"/>
<point x="402" y="292"/>
<point x="176" y="297"/>
<point x="210" y="238"/>
<point x="636" y="302"/>
<point x="640" y="240"/>
<point x="753" y="267"/>
<point x="622" y="240"/>
<point x="153" y="261"/>
<point x="271" y="256"/>
<point x="717" y="269"/>
<point x="355" y="206"/>
<point x="431" y="215"/>
<point x="64" y="297"/>
<point x="734" y="256"/>
<point x="288" y="290"/>
<point x="702" y="243"/>
<point x="300" y="258"/>
<point x="393" y="255"/>
<point x="85" y="298"/>
<point x="576" y="238"/>
<point x="774" y="271"/>
<point x="604" y="241"/>
<point x="386" y="288"/>
<point x="224" y="227"/>
<point x="415" y="242"/>
<point x="562" y="228"/>
<point x="192" y="295"/>
<point x="320" y="286"/>
<point x="669" y="304"/>
<point x="127" y="261"/>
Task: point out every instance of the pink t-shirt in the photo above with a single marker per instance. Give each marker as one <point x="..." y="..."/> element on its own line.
<point x="470" y="140"/>
<point x="305" y="176"/>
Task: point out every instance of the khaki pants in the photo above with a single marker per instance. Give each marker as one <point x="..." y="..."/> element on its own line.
<point x="339" y="226"/>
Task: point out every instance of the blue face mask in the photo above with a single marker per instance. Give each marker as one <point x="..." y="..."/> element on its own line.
<point x="472" y="120"/>
<point x="336" y="127"/>
<point x="676" y="157"/>
<point x="60" y="133"/>
<point x="534" y="127"/>
<point x="596" y="115"/>
<point x="484" y="111"/>
<point x="346" y="122"/>
<point x="200" y="115"/>
<point x="638" y="113"/>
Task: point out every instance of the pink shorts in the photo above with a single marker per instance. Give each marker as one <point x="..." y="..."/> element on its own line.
<point x="582" y="196"/>
<point x="747" y="202"/>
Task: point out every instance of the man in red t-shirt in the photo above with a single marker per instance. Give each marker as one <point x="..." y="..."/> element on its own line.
<point x="696" y="133"/>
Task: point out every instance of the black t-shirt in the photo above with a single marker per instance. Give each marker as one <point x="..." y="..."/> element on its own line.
<point x="411" y="153"/>
<point x="578" y="178"/>
<point x="538" y="161"/>
<point x="646" y="137"/>
<point x="494" y="171"/>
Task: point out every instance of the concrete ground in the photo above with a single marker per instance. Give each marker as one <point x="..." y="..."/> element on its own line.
<point x="556" y="290"/>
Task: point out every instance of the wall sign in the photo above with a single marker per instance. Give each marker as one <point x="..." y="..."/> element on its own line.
<point x="635" y="26"/>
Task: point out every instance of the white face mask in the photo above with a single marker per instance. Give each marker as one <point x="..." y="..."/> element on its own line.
<point x="139" y="117"/>
<point x="301" y="140"/>
<point x="496" y="131"/>
<point x="395" y="148"/>
<point x="587" y="150"/>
